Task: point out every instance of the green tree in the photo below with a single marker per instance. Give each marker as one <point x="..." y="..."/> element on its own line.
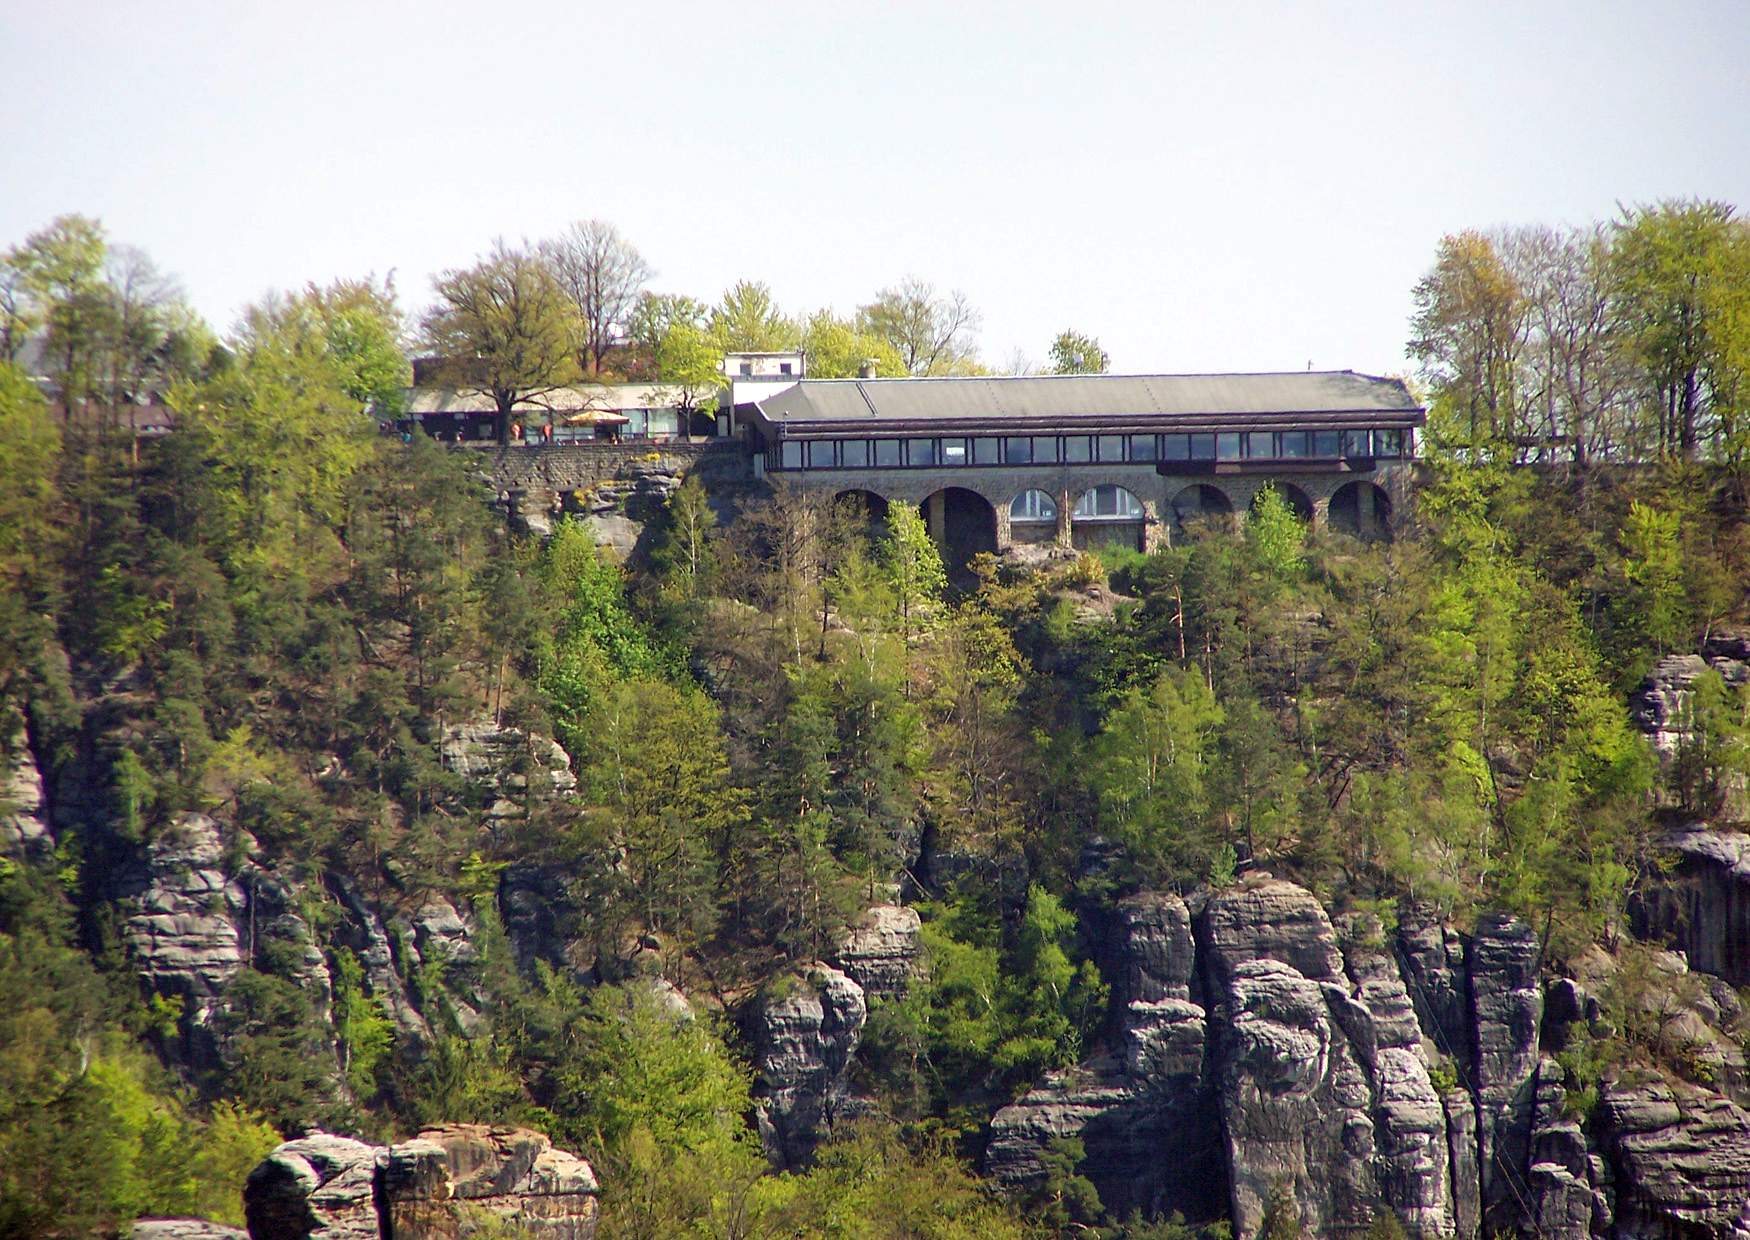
<point x="505" y="329"/>
<point x="660" y="805"/>
<point x="746" y="319"/>
<point x="1075" y="354"/>
<point x="914" y="565"/>
<point x="1149" y="770"/>
<point x="930" y="331"/>
<point x="836" y="349"/>
<point x="1667" y="258"/>
<point x="1276" y="535"/>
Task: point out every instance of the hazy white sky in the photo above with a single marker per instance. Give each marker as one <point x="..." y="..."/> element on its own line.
<point x="1214" y="186"/>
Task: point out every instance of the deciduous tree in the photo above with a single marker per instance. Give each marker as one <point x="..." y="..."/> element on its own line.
<point x="504" y="328"/>
<point x="603" y="275"/>
<point x="930" y="331"/>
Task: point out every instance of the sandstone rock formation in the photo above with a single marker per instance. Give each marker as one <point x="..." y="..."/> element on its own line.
<point x="880" y="952"/>
<point x="454" y="1179"/>
<point x="180" y="922"/>
<point x="1256" y="1046"/>
<point x="803" y="1038"/>
<point x="500" y="760"/>
<point x="319" y="1185"/>
<point x="183" y="1229"/>
<point x="24" y="825"/>
<point x="449" y="1182"/>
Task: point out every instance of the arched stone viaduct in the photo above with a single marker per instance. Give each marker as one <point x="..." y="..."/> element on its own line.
<point x="1359" y="502"/>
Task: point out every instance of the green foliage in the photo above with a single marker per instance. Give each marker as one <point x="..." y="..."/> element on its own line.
<point x="914" y="565"/>
<point x="1276" y="534"/>
<point x="92" y="1133"/>
<point x="1713" y="750"/>
<point x="1150" y="769"/>
<point x="1075" y="354"/>
<point x="362" y="1027"/>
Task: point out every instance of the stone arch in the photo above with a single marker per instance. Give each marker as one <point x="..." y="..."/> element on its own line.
<point x="1362" y="509"/>
<point x="871" y="506"/>
<point x="963" y="523"/>
<point x="1199" y="503"/>
<point x="1297" y="499"/>
<point x="1108" y="515"/>
<point x="1033" y="517"/>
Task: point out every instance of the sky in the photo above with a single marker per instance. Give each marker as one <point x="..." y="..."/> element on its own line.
<point x="1202" y="187"/>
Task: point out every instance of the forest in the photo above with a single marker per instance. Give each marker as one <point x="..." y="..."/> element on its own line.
<point x="785" y="715"/>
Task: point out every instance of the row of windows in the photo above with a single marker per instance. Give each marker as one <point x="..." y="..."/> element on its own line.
<point x="1082" y="449"/>
<point x="1107" y="503"/>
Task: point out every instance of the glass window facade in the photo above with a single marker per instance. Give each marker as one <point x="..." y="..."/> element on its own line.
<point x="1108" y="503"/>
<point x="1069" y="449"/>
<point x="1032" y="506"/>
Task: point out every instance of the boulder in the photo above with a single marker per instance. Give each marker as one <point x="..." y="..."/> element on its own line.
<point x="459" y="1179"/>
<point x="320" y="1185"/>
<point x="880" y="953"/>
<point x="804" y="1036"/>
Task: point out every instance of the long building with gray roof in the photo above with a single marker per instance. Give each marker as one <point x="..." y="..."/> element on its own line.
<point x="1081" y="460"/>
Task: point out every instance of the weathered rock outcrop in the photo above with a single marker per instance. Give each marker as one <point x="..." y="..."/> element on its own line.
<point x="1683" y="1160"/>
<point x="448" y="1182"/>
<point x="181" y="921"/>
<point x="502" y="760"/>
<point x="1144" y="1109"/>
<point x="1703" y="905"/>
<point x="803" y="1040"/>
<point x="1369" y="1072"/>
<point x="1507" y="1011"/>
<point x="319" y="1185"/>
<point x="1324" y="1081"/>
<point x="24" y="819"/>
<point x="452" y="1180"/>
<point x="183" y="1229"/>
<point x="880" y="953"/>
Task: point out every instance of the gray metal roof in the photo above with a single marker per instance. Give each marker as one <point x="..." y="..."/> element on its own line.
<point x="1058" y="397"/>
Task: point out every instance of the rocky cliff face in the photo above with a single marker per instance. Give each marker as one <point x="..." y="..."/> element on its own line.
<point x="804" y="1036"/>
<point x="1259" y="1048"/>
<point x="448" y="1182"/>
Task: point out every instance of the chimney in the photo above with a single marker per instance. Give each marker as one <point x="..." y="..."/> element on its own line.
<point x="866" y="370"/>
